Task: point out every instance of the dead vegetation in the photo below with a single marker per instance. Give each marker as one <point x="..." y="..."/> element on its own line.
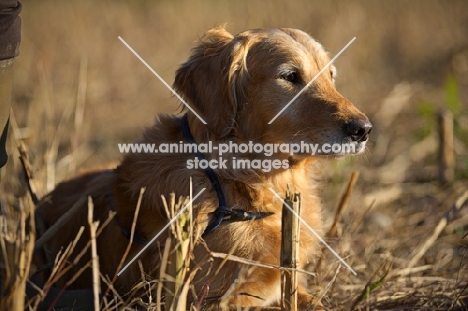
<point x="78" y="92"/>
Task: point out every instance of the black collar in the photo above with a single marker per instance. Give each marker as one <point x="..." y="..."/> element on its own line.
<point x="223" y="212"/>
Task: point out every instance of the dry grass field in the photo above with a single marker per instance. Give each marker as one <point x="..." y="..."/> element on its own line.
<point x="78" y="91"/>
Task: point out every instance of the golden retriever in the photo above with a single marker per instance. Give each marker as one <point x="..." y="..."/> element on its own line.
<point x="237" y="84"/>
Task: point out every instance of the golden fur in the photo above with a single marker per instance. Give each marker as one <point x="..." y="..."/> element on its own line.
<point x="237" y="84"/>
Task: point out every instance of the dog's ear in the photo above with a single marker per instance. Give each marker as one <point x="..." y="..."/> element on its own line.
<point x="213" y="79"/>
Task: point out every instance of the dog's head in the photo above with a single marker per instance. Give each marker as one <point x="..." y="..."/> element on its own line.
<point x="239" y="84"/>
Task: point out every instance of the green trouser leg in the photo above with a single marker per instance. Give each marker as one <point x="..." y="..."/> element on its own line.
<point x="6" y="82"/>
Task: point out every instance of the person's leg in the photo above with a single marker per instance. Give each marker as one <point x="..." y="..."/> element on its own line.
<point x="6" y="76"/>
<point x="3" y="153"/>
<point x="10" y="37"/>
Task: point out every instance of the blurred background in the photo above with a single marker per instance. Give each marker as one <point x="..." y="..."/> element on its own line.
<point x="79" y="91"/>
<point x="409" y="60"/>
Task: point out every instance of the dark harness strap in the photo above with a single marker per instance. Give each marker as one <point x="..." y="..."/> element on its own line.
<point x="59" y="299"/>
<point x="223" y="212"/>
<point x="124" y="230"/>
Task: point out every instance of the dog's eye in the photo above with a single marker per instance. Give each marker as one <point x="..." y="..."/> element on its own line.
<point x="292" y="77"/>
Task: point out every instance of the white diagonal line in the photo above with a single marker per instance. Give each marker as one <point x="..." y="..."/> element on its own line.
<point x="159" y="233"/>
<point x="161" y="79"/>
<point x="315" y="233"/>
<point x="313" y="79"/>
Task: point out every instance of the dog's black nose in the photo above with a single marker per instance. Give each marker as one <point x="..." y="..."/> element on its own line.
<point x="358" y="129"/>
